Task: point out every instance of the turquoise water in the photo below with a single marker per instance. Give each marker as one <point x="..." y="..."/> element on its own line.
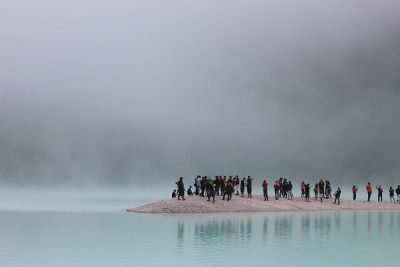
<point x="96" y="236"/>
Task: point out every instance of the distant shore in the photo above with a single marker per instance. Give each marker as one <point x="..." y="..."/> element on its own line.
<point x="197" y="204"/>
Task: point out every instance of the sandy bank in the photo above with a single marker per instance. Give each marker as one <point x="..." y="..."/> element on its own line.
<point x="196" y="204"/>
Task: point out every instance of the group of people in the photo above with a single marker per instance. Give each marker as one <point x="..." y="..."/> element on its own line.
<point x="322" y="189"/>
<point x="379" y="188"/>
<point x="226" y="187"/>
<point x="219" y="186"/>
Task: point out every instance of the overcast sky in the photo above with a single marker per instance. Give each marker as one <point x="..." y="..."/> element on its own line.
<point x="113" y="92"/>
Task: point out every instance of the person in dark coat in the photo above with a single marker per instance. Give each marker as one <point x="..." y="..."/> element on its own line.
<point x="181" y="189"/>
<point x="337" y="196"/>
<point x="248" y="185"/>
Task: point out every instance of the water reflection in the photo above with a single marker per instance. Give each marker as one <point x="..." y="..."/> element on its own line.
<point x="265" y="227"/>
<point x="180" y="233"/>
<point x="337" y="215"/>
<point x="243" y="228"/>
<point x="283" y="225"/>
<point x="369" y="224"/>
<point x="305" y="225"/>
<point x="322" y="224"/>
<point x="380" y="221"/>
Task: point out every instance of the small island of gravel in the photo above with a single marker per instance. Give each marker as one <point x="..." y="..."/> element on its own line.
<point x="196" y="204"/>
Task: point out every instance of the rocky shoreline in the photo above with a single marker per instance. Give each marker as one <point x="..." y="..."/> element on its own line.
<point x="197" y="204"/>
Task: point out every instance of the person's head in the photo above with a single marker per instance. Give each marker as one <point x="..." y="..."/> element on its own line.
<point x="174" y="190"/>
<point x="354" y="186"/>
<point x="390" y="187"/>
<point x="190" y="186"/>
<point x="180" y="178"/>
<point x="369" y="183"/>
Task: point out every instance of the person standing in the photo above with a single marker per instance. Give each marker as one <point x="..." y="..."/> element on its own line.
<point x="248" y="185"/>
<point x="197" y="184"/>
<point x="316" y="188"/>
<point x="369" y="191"/>
<point x="398" y="194"/>
<point x="242" y="186"/>
<point x="276" y="189"/>
<point x="210" y="190"/>
<point x="321" y="186"/>
<point x="354" y="190"/>
<point x="307" y="192"/>
<point x="290" y="193"/>
<point x="228" y="190"/>
<point x="337" y="196"/>
<point x="302" y="188"/>
<point x="181" y="189"/>
<point x="391" y="195"/>
<point x="380" y="192"/>
<point x="265" y="189"/>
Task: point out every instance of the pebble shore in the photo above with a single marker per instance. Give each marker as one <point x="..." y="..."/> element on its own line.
<point x="197" y="204"/>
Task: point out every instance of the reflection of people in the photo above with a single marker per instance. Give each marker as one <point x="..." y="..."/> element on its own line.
<point x="369" y="190"/>
<point x="337" y="196"/>
<point x="354" y="190"/>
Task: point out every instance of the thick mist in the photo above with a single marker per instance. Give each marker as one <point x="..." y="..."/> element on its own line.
<point x="141" y="92"/>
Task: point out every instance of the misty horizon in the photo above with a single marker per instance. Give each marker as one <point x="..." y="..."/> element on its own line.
<point x="138" y="92"/>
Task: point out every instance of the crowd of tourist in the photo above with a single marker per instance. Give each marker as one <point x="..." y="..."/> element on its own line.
<point x="283" y="188"/>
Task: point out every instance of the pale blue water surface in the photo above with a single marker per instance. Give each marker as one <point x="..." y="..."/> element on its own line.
<point x="92" y="230"/>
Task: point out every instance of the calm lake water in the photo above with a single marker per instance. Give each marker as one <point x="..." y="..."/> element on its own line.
<point x="53" y="230"/>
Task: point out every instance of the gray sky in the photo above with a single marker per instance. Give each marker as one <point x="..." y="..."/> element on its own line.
<point x="110" y="92"/>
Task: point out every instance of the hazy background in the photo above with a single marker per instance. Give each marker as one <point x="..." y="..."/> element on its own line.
<point x="138" y="92"/>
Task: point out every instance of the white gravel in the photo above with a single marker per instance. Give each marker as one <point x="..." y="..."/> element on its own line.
<point x="197" y="204"/>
